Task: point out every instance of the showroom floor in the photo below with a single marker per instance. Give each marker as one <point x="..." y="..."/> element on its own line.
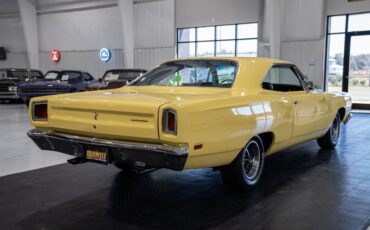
<point x="301" y="188"/>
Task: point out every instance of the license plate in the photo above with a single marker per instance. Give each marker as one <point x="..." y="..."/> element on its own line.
<point x="97" y="155"/>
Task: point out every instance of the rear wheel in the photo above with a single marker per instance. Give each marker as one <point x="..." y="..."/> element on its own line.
<point x="245" y="171"/>
<point x="331" y="137"/>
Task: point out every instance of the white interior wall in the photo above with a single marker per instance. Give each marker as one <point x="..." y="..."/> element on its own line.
<point x="191" y="13"/>
<point x="79" y="35"/>
<point x="12" y="38"/>
<point x="303" y="37"/>
<point x="344" y="7"/>
<point x="154" y="33"/>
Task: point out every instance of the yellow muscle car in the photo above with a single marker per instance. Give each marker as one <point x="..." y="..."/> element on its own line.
<point x="224" y="113"/>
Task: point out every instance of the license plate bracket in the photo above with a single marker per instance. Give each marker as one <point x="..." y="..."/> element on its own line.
<point x="97" y="154"/>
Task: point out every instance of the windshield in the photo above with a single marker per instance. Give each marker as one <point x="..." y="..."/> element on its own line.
<point x="14" y="74"/>
<point x="122" y="75"/>
<point x="199" y="73"/>
<point x="65" y="76"/>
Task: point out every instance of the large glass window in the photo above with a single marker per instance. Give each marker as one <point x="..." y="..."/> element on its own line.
<point x="223" y="40"/>
<point x="348" y="56"/>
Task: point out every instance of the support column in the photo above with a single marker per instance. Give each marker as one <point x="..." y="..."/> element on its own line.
<point x="29" y="22"/>
<point x="272" y="25"/>
<point x="127" y="16"/>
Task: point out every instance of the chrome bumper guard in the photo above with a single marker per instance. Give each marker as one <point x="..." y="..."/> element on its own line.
<point x="346" y="119"/>
<point x="129" y="153"/>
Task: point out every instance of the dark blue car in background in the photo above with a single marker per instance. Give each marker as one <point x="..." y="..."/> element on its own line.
<point x="55" y="82"/>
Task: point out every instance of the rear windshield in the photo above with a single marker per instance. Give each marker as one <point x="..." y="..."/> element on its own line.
<point x="64" y="76"/>
<point x="122" y="75"/>
<point x="198" y="73"/>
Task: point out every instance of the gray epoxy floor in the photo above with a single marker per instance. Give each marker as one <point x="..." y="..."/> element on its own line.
<point x="17" y="151"/>
<point x="301" y="188"/>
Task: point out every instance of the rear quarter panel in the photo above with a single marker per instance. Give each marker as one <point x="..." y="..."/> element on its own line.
<point x="222" y="126"/>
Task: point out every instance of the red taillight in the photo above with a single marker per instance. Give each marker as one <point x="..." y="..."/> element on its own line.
<point x="40" y="111"/>
<point x="169" y="121"/>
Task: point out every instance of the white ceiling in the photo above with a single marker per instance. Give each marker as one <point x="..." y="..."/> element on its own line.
<point x="11" y="6"/>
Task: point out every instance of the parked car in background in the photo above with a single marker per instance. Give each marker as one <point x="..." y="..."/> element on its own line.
<point x="116" y="78"/>
<point x="221" y="113"/>
<point x="10" y="78"/>
<point x="55" y="82"/>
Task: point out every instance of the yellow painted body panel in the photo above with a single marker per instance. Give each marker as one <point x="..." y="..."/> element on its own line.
<point x="222" y="120"/>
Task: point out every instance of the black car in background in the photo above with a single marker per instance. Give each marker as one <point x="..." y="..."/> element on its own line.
<point x="116" y="78"/>
<point x="10" y="78"/>
<point x="55" y="82"/>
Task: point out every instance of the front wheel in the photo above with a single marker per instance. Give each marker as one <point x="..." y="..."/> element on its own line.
<point x="331" y="137"/>
<point x="245" y="171"/>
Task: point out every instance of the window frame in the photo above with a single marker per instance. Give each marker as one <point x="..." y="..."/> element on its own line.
<point x="346" y="34"/>
<point x="215" y="40"/>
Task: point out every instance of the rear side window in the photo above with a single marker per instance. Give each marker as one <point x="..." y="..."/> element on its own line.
<point x="87" y="77"/>
<point x="71" y="77"/>
<point x="36" y="74"/>
<point x="282" y="78"/>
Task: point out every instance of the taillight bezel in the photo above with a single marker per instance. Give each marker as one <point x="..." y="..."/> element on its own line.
<point x="165" y="126"/>
<point x="39" y="103"/>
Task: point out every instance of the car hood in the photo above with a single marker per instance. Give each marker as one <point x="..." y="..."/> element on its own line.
<point x="10" y="82"/>
<point x="46" y="84"/>
<point x="105" y="84"/>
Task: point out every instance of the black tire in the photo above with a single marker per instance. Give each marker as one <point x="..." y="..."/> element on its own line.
<point x="331" y="137"/>
<point x="245" y="171"/>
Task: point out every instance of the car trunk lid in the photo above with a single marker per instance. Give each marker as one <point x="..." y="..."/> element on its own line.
<point x="117" y="115"/>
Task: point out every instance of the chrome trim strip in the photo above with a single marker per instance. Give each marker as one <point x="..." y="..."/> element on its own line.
<point x="171" y="150"/>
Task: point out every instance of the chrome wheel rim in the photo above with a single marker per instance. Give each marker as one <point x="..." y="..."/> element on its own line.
<point x="251" y="160"/>
<point x="334" y="130"/>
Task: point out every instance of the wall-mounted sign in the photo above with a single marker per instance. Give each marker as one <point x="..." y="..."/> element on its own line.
<point x="105" y="54"/>
<point x="55" y="55"/>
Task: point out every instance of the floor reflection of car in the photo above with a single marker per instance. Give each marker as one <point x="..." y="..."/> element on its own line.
<point x="55" y="82"/>
<point x="116" y="78"/>
<point x="10" y="78"/>
<point x="335" y="69"/>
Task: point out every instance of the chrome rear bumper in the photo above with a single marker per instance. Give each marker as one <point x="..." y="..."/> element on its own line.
<point x="130" y="153"/>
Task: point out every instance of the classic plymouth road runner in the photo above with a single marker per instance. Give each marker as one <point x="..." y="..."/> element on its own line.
<point x="223" y="113"/>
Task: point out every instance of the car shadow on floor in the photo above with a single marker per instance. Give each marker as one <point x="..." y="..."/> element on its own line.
<point x="193" y="199"/>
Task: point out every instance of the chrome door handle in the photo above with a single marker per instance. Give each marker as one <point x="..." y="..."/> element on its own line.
<point x="296" y="102"/>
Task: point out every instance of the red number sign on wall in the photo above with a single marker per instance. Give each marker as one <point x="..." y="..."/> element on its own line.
<point x="55" y="55"/>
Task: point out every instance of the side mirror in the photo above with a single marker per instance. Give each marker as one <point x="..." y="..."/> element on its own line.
<point x="310" y="85"/>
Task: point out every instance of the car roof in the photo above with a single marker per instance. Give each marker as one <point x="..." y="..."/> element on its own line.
<point x="250" y="76"/>
<point x="237" y="59"/>
<point x="19" y="69"/>
<point x="66" y="70"/>
<point x="127" y="70"/>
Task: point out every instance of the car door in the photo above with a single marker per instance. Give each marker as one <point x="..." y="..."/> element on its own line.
<point x="310" y="107"/>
